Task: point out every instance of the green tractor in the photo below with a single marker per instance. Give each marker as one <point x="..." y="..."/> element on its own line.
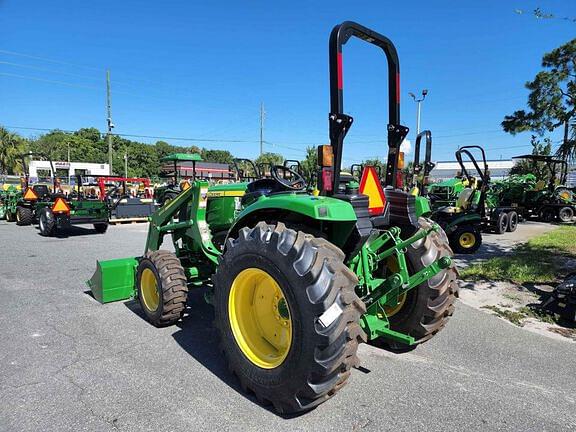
<point x="300" y="280"/>
<point x="166" y="193"/>
<point x="462" y="219"/>
<point x="53" y="210"/>
<point x="33" y="197"/>
<point x="9" y="196"/>
<point x="81" y="207"/>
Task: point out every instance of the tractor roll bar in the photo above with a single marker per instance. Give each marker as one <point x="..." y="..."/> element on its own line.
<point x="464" y="150"/>
<point x="427" y="166"/>
<point x="25" y="167"/>
<point x="339" y="122"/>
<point x="237" y="161"/>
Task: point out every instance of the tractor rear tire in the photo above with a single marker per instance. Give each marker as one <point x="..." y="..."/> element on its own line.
<point x="306" y="364"/>
<point x="467" y="239"/>
<point x="47" y="223"/>
<point x="512" y="221"/>
<point x="501" y="223"/>
<point x="565" y="214"/>
<point x="427" y="307"/>
<point x="24" y="216"/>
<point x="101" y="227"/>
<point x="162" y="287"/>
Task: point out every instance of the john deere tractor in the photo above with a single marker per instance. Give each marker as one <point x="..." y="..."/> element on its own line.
<point x="299" y="280"/>
<point x="34" y="197"/>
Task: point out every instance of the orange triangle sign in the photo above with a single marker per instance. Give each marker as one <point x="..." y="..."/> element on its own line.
<point x="60" y="206"/>
<point x="370" y="185"/>
<point x="30" y="195"/>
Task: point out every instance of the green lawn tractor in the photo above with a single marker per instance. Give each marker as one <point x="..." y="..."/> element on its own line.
<point x="299" y="280"/>
<point x="547" y="200"/>
<point x="166" y="193"/>
<point x="462" y="221"/>
<point x="9" y="196"/>
<point x="477" y="208"/>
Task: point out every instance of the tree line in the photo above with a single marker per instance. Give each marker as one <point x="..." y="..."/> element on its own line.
<point x="89" y="145"/>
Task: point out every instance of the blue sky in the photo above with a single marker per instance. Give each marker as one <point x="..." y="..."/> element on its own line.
<point x="200" y="69"/>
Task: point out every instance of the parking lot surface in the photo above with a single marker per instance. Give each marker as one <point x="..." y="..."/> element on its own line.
<point x="68" y="363"/>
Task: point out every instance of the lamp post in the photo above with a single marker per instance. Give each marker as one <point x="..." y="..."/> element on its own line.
<point x="418" y="101"/>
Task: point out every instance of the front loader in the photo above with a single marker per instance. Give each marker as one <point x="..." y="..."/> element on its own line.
<point x="300" y="280"/>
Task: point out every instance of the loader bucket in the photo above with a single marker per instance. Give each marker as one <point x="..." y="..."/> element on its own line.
<point x="114" y="280"/>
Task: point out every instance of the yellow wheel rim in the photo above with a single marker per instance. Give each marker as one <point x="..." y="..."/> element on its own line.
<point x="467" y="240"/>
<point x="260" y="318"/>
<point x="392" y="265"/>
<point x="149" y="290"/>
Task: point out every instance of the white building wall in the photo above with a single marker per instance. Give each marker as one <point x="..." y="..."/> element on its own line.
<point x="91" y="168"/>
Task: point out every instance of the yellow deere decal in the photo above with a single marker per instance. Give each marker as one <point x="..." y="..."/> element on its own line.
<point x="217" y="194"/>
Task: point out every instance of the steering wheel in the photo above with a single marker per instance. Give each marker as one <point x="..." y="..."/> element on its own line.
<point x="296" y="183"/>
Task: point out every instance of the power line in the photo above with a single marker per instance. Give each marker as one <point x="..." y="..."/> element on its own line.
<point x="45" y="59"/>
<point x="140" y="136"/>
<point x="49" y="81"/>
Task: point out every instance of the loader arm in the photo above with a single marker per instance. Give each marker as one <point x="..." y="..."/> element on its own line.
<point x="190" y="208"/>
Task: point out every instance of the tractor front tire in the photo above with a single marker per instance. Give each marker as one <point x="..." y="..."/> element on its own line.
<point x="47" y="223"/>
<point x="162" y="287"/>
<point x="101" y="227"/>
<point x="467" y="239"/>
<point x="288" y="316"/>
<point x="426" y="308"/>
<point x="24" y="216"/>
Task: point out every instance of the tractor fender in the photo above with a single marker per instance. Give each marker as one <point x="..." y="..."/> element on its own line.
<point x="317" y="213"/>
<point x="471" y="219"/>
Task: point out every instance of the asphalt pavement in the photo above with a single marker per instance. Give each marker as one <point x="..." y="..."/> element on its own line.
<point x="68" y="363"/>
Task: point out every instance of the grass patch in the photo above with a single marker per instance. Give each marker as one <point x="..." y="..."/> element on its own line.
<point x="536" y="261"/>
<point x="514" y="317"/>
<point x="517" y="317"/>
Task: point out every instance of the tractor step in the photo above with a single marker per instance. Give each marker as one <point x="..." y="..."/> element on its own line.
<point x="114" y="280"/>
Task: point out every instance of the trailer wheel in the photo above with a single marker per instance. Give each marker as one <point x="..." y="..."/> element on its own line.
<point x="547" y="214"/>
<point x="565" y="214"/>
<point x="24" y="216"/>
<point x="288" y="316"/>
<point x="101" y="227"/>
<point x="47" y="223"/>
<point x="512" y="221"/>
<point x="501" y="223"/>
<point x="424" y="310"/>
<point x="162" y="287"/>
<point x="466" y="239"/>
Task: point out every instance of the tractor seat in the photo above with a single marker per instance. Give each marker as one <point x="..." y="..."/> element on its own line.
<point x="41" y="190"/>
<point x="258" y="188"/>
<point x="462" y="202"/>
<point x="540" y="185"/>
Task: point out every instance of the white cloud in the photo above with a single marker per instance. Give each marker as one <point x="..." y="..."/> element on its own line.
<point x="406" y="146"/>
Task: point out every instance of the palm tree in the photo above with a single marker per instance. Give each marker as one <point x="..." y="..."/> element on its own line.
<point x="11" y="147"/>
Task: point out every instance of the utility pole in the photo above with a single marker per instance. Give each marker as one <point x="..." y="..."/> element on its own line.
<point x="262" y="114"/>
<point x="418" y="100"/>
<point x="126" y="162"/>
<point x="109" y="121"/>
